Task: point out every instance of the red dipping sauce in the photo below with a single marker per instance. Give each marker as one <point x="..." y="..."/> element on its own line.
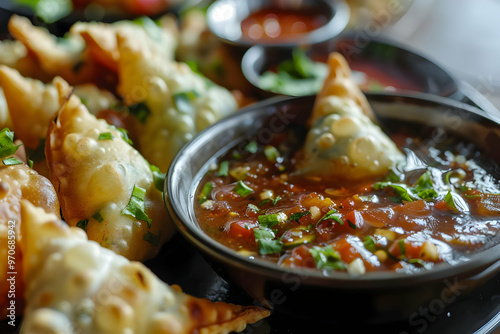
<point x="384" y="77"/>
<point x="271" y="24"/>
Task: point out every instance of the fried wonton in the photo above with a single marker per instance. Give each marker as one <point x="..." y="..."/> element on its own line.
<point x="18" y="182"/>
<point x="15" y="55"/>
<point x="100" y="38"/>
<point x="63" y="57"/>
<point x="97" y="291"/>
<point x="104" y="185"/>
<point x="175" y="102"/>
<point x="343" y="141"/>
<point x="179" y="102"/>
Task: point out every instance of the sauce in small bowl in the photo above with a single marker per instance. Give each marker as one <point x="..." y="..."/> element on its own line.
<point x="377" y="66"/>
<point x="281" y="23"/>
<point x="267" y="25"/>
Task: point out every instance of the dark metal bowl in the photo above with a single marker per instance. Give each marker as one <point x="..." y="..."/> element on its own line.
<point x="224" y="19"/>
<point x="427" y="74"/>
<point x="374" y="297"/>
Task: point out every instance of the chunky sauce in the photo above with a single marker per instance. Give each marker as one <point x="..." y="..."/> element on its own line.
<point x="271" y="24"/>
<point x="439" y="207"/>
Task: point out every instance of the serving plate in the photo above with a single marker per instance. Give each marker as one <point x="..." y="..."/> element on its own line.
<point x="379" y="297"/>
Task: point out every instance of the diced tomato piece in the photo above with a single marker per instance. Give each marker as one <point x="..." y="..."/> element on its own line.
<point x="412" y="249"/>
<point x="346" y="250"/>
<point x="378" y="217"/>
<point x="347" y="204"/>
<point x="242" y="229"/>
<point x="489" y="205"/>
<point x="415" y="208"/>
<point x="441" y="205"/>
<point x="301" y="257"/>
<point x="354" y="220"/>
<point x="325" y="231"/>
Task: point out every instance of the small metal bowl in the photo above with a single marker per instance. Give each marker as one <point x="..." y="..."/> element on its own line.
<point x="396" y="60"/>
<point x="376" y="297"/>
<point x="224" y="18"/>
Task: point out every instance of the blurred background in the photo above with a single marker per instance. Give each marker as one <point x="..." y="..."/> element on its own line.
<point x="460" y="35"/>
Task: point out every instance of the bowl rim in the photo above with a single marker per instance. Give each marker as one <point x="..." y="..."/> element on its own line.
<point x="487" y="260"/>
<point x="336" y="24"/>
<point x="255" y="53"/>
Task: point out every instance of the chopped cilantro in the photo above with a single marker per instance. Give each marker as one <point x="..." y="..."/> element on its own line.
<point x="83" y="224"/>
<point x="448" y="198"/>
<point x="135" y="207"/>
<point x="296" y="216"/>
<point x="264" y="202"/>
<point x="139" y="111"/>
<point x="183" y="101"/>
<point x="30" y="163"/>
<point x="236" y="155"/>
<point x="263" y="233"/>
<point x="267" y="246"/>
<point x="152" y="238"/>
<point x="297" y="76"/>
<point x="158" y="177"/>
<point x="351" y="225"/>
<point x="11" y="161"/>
<point x="97" y="216"/>
<point x="123" y="133"/>
<point x="7" y="146"/>
<point x="266" y="242"/>
<point x="327" y="258"/>
<point x="332" y="214"/>
<point x="275" y="200"/>
<point x="423" y="189"/>
<point x="272" y="219"/>
<point x="106" y="136"/>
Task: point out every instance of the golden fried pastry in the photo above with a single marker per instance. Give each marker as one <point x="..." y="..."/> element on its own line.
<point x="95" y="99"/>
<point x="31" y="105"/>
<point x="104" y="185"/>
<point x="176" y="102"/>
<point x="339" y="85"/>
<point x="15" y="55"/>
<point x="97" y="291"/>
<point x="17" y="182"/>
<point x="343" y="141"/>
<point x="66" y="59"/>
<point x="100" y="38"/>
